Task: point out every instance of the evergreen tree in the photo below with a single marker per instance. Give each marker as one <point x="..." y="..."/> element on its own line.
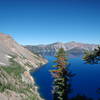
<point x="61" y="75"/>
<point x="92" y="57"/>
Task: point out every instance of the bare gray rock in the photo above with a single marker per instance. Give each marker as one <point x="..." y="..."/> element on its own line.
<point x="14" y="83"/>
<point x="72" y="48"/>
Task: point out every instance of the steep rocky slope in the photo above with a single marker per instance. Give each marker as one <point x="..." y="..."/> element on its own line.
<point x="73" y="48"/>
<point x="16" y="61"/>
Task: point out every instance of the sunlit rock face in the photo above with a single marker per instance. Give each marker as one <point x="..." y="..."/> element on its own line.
<point x="10" y="48"/>
<point x="16" y="83"/>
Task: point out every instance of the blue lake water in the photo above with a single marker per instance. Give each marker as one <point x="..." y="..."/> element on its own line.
<point x="85" y="82"/>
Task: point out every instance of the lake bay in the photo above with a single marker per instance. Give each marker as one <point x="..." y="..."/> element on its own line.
<point x="85" y="82"/>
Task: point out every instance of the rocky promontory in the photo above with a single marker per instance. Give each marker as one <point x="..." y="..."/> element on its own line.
<point x="16" y="83"/>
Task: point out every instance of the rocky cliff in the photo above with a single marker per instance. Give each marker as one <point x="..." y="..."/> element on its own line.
<point x="72" y="48"/>
<point x="16" y="61"/>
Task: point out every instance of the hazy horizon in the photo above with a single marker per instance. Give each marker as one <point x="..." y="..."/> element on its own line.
<point x="51" y="42"/>
<point x="62" y="42"/>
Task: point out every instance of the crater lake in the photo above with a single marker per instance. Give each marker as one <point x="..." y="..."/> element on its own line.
<point x="85" y="82"/>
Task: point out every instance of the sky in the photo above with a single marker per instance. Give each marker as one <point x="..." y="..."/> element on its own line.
<point x="32" y="22"/>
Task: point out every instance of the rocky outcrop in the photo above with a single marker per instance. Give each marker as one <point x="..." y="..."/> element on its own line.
<point x="16" y="83"/>
<point x="73" y="48"/>
<point x="9" y="48"/>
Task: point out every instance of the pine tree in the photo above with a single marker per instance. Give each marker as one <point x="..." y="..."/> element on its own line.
<point x="61" y="75"/>
<point x="92" y="57"/>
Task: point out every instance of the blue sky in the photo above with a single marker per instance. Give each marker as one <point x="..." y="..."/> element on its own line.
<point x="48" y="21"/>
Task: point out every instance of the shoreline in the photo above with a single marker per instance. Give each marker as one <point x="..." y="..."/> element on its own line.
<point x="34" y="83"/>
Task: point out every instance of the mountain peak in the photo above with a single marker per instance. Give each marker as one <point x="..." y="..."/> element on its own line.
<point x="72" y="42"/>
<point x="51" y="49"/>
<point x="4" y="36"/>
<point x="8" y="46"/>
<point x="58" y="43"/>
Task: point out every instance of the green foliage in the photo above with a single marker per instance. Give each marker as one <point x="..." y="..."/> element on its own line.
<point x="3" y="87"/>
<point x="14" y="69"/>
<point x="61" y="75"/>
<point x="31" y="98"/>
<point x="25" y="91"/>
<point x="92" y="57"/>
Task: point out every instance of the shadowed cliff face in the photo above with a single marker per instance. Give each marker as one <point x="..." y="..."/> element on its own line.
<point x="74" y="49"/>
<point x="16" y="83"/>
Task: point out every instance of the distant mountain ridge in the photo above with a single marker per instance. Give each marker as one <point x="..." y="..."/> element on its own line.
<point x="73" y="48"/>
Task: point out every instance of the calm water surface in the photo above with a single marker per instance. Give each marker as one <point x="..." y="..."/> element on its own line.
<point x="85" y="82"/>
